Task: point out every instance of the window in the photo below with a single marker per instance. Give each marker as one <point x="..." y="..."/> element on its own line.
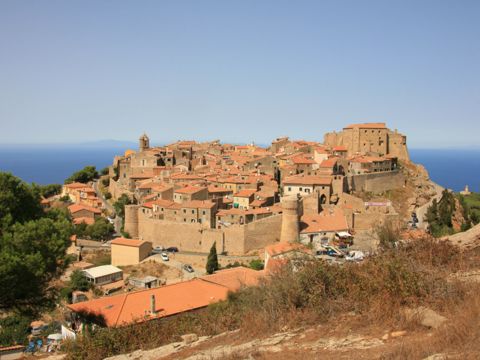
<point x="184" y="220"/>
<point x="299" y="189"/>
<point x="204" y="212"/>
<point x="184" y="211"/>
<point x="193" y="211"/>
<point x="289" y="188"/>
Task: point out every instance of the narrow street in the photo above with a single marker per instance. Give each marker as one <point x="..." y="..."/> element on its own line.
<point x="117" y="222"/>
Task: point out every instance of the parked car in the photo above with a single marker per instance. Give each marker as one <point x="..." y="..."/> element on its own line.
<point x="172" y="249"/>
<point x="164" y="256"/>
<point x="188" y="268"/>
<point x="157" y="250"/>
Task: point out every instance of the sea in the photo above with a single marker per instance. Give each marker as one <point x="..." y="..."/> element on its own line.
<point x="48" y="164"/>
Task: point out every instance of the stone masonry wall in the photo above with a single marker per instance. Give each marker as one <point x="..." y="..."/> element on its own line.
<point x="376" y="182"/>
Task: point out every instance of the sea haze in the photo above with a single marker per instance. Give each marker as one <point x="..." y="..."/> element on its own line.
<point x="46" y="164"/>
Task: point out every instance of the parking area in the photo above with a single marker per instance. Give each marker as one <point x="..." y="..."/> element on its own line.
<point x="175" y="262"/>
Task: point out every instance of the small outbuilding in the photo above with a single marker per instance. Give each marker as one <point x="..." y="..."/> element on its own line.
<point x="129" y="251"/>
<point x="104" y="274"/>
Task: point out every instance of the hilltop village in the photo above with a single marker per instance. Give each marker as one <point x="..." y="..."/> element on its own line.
<point x="191" y="195"/>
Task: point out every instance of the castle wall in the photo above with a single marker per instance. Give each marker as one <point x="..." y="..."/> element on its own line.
<point x="376" y="182"/>
<point x="132" y="220"/>
<point x="261" y="233"/>
<point x="235" y="240"/>
<point x="368" y="221"/>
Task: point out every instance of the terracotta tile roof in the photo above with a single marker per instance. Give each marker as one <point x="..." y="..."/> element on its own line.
<point x="124" y="309"/>
<point x="329" y="163"/>
<point x="217" y="189"/>
<point x="366" y="126"/>
<point x="307" y="180"/>
<point x="78" y="207"/>
<point x="339" y="148"/>
<point x="148" y="204"/>
<point x="245" y="193"/>
<point x="128" y="242"/>
<point x="235" y="278"/>
<point x="284" y="247"/>
<point x="190" y="190"/>
<point x="86" y="220"/>
<point x="324" y="222"/>
<point x="163" y="203"/>
<point x="302" y="159"/>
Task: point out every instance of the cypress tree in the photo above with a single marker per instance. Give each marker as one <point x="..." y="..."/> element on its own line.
<point x="212" y="260"/>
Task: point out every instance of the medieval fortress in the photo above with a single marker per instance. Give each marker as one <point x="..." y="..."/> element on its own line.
<point x="245" y="197"/>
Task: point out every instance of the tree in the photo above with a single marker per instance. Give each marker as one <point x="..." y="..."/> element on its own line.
<point x="78" y="281"/>
<point x="32" y="243"/>
<point x="104" y="171"/>
<point x="101" y="229"/>
<point x="18" y="201"/>
<point x="212" y="260"/>
<point x="119" y="205"/>
<point x="14" y="329"/>
<point x="47" y="190"/>
<point x="88" y="173"/>
<point x="30" y="255"/>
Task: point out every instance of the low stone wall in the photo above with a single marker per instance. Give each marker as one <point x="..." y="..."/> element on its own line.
<point x="376" y="182"/>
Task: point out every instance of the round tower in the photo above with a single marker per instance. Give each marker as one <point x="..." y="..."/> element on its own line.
<point x="144" y="142"/>
<point x="131" y="220"/>
<point x="290" y="228"/>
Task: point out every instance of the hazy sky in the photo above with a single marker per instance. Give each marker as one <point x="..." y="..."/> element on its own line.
<point x="238" y="70"/>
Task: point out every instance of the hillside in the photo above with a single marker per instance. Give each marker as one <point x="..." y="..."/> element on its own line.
<point x="402" y="303"/>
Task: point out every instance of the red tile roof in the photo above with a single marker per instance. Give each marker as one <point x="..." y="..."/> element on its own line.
<point x="324" y="222"/>
<point x="128" y="242"/>
<point x="307" y="180"/>
<point x="124" y="309"/>
<point x="284" y="247"/>
<point x="78" y="207"/>
<point x="235" y="278"/>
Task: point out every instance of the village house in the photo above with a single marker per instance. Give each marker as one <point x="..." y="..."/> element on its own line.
<point x="129" y="252"/>
<point x="243" y="198"/>
<point x="190" y="193"/>
<point x="304" y="185"/>
<point x="163" y="302"/>
<point x="320" y="229"/>
<point x="86" y="213"/>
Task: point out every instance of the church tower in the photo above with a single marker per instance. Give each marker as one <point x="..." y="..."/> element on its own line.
<point x="144" y="142"/>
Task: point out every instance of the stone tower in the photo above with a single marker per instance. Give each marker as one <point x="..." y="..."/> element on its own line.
<point x="131" y="220"/>
<point x="290" y="220"/>
<point x="144" y="142"/>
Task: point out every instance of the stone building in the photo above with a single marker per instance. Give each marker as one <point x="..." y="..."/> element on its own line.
<point x="369" y="138"/>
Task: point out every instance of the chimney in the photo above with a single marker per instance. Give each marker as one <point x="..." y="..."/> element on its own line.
<point x="152" y="304"/>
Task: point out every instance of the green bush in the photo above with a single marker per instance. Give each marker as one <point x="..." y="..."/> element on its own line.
<point x="14" y="329"/>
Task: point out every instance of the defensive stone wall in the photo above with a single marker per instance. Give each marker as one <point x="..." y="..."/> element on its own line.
<point x="234" y="240"/>
<point x="376" y="182"/>
<point x="368" y="221"/>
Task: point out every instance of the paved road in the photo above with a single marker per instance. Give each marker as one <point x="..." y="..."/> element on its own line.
<point x="117" y="222"/>
<point x="422" y="210"/>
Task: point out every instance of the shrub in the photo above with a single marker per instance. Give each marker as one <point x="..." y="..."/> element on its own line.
<point x="14" y="329"/>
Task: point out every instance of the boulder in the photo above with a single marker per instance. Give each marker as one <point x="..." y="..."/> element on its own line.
<point x="189" y="338"/>
<point x="427" y="317"/>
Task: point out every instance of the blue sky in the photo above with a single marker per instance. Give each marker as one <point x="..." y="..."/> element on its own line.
<point x="238" y="70"/>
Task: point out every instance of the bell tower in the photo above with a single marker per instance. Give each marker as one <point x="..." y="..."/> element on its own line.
<point x="144" y="142"/>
